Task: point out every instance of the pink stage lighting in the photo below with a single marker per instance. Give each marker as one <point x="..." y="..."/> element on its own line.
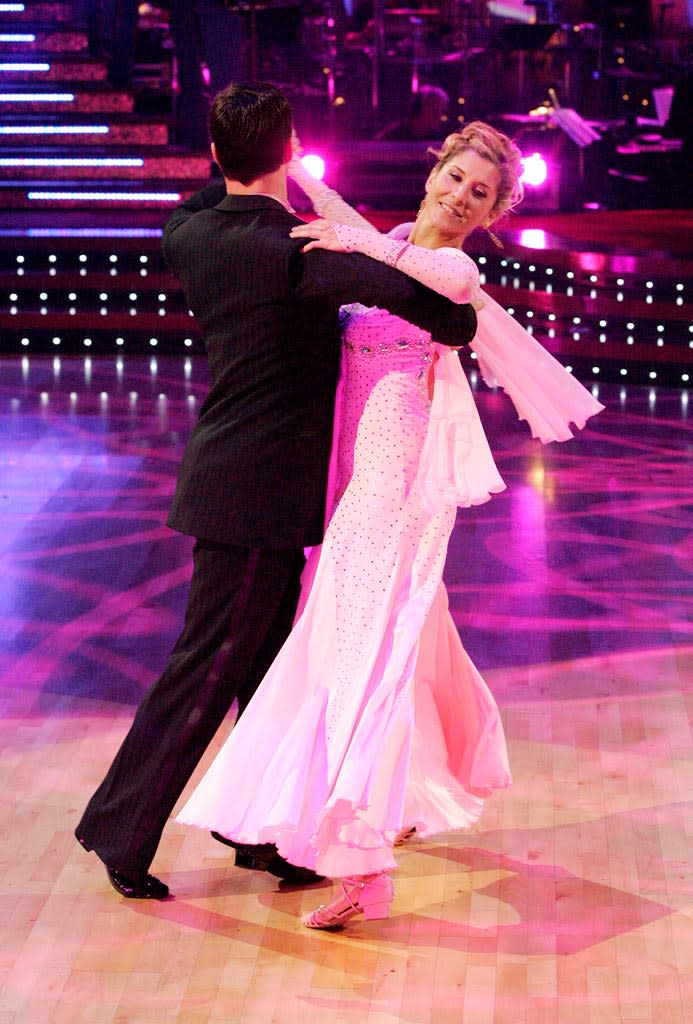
<point x="535" y="170"/>
<point x="314" y="164"/>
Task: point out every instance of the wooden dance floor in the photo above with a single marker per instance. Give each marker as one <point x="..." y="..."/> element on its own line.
<point x="571" y="902"/>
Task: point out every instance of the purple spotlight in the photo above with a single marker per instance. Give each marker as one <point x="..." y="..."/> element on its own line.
<point x="314" y="164"/>
<point x="535" y="170"/>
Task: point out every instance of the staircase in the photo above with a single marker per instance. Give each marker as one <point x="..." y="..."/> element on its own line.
<point x="70" y="140"/>
<point x="85" y="185"/>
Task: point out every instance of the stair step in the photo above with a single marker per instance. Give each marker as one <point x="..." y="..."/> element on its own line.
<point x="36" y="69"/>
<point x="44" y="40"/>
<point x="96" y="100"/>
<point x="40" y="133"/>
<point x="78" y="195"/>
<point x="32" y="13"/>
<point x="54" y="166"/>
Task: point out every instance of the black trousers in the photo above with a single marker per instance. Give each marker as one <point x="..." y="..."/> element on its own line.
<point x="240" y="610"/>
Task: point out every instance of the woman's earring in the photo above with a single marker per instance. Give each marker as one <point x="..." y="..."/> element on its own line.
<point x="494" y="238"/>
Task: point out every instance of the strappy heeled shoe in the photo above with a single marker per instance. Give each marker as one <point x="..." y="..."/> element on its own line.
<point x="404" y="835"/>
<point x="370" y="895"/>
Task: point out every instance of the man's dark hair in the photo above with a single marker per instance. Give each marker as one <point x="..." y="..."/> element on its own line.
<point x="250" y="126"/>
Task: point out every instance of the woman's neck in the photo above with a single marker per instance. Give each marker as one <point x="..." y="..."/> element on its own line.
<point x="429" y="237"/>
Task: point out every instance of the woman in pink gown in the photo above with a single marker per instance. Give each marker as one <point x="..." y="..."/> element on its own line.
<point x="373" y="720"/>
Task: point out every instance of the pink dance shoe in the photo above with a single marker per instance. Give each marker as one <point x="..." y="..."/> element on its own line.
<point x="370" y="895"/>
<point x="404" y="835"/>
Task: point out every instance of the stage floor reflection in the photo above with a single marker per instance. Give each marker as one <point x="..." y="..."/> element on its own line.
<point x="571" y="900"/>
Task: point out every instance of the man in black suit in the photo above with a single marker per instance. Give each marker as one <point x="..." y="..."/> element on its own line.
<point x="251" y="487"/>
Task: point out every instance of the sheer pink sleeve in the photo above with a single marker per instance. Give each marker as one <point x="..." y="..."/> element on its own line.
<point x="326" y="202"/>
<point x="450" y="272"/>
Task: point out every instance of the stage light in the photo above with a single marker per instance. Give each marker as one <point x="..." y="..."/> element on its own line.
<point x="24" y="66"/>
<point x="41" y="161"/>
<point x="36" y="97"/>
<point x="11" y="8"/>
<point x="128" y="197"/>
<point x="104" y="232"/>
<point x="314" y="164"/>
<point x="55" y="129"/>
<point x="535" y="170"/>
<point x="17" y="37"/>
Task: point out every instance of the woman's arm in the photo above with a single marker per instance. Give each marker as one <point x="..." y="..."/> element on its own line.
<point x="326" y="202"/>
<point x="450" y="272"/>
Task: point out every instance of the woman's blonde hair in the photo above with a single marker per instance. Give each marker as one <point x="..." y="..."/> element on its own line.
<point x="495" y="147"/>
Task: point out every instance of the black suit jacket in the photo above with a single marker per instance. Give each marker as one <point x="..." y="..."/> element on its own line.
<point x="254" y="471"/>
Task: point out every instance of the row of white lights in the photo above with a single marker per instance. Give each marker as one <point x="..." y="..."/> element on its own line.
<point x="88" y="342"/>
<point x="133" y="396"/>
<point x="188" y="342"/>
<point x="162" y="297"/>
<point x="57" y="365"/>
<point x="52" y="272"/>
<point x="531" y="268"/>
<point x="45" y="397"/>
<point x="570" y="276"/>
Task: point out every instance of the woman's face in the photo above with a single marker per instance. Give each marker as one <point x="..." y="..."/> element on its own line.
<point x="460" y="195"/>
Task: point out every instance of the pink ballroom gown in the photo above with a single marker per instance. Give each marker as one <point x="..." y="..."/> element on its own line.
<point x="373" y="717"/>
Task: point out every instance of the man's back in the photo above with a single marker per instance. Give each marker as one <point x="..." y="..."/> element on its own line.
<point x="254" y="472"/>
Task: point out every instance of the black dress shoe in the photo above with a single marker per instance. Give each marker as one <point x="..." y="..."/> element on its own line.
<point x="266" y="858"/>
<point x="146" y="888"/>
